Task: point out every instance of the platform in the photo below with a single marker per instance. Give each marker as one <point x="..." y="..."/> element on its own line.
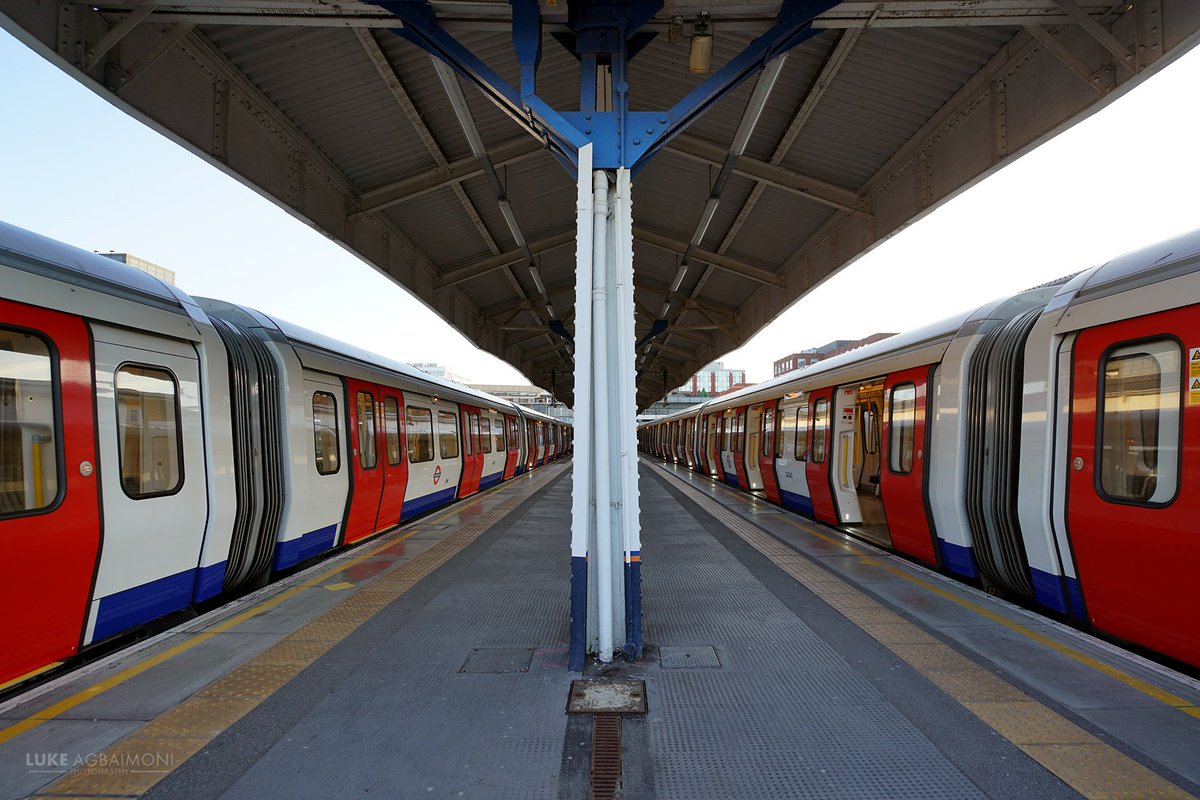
<point x="783" y="660"/>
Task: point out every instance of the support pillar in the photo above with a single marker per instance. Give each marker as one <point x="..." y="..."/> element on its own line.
<point x="606" y="542"/>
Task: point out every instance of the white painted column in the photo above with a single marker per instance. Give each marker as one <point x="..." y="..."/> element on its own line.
<point x="605" y="499"/>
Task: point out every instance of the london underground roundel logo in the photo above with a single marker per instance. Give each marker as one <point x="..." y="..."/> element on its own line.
<point x="437" y="474"/>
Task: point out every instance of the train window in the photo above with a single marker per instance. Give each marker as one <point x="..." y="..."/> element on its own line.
<point x="467" y="437"/>
<point x="447" y="434"/>
<point x="741" y="432"/>
<point x="768" y="432"/>
<point x="1139" y="424"/>
<point x="148" y="436"/>
<point x="820" y="428"/>
<point x="391" y="430"/>
<point x="29" y="457"/>
<point x="801" y="423"/>
<point x="498" y="443"/>
<point x="722" y="434"/>
<point x="418" y="434"/>
<point x="787" y="431"/>
<point x="541" y="440"/>
<point x="325" y="433"/>
<point x="367" y="455"/>
<point x="485" y="435"/>
<point x="902" y="427"/>
<point x="514" y="435"/>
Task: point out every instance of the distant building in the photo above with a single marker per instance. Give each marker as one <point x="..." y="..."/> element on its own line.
<point x="713" y="380"/>
<point x="530" y="397"/>
<point x="149" y="267"/>
<point x="439" y="371"/>
<point x="806" y="358"/>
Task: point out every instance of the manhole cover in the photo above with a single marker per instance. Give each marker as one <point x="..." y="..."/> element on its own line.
<point x="697" y="657"/>
<point x="494" y="660"/>
<point x="607" y="697"/>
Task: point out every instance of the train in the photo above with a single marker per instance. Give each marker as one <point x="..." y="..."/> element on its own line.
<point x="161" y="452"/>
<point x="1045" y="446"/>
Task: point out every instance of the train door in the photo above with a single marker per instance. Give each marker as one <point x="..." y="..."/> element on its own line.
<point x="843" y="420"/>
<point x="512" y="440"/>
<point x="902" y="478"/>
<point x="395" y="466"/>
<point x="859" y="475"/>
<point x="792" y="454"/>
<point x="367" y="478"/>
<point x="767" y="452"/>
<point x="1133" y="486"/>
<point x="152" y="481"/>
<point x="754" y="435"/>
<point x="739" y="450"/>
<point x="820" y="460"/>
<point x="49" y="495"/>
<point x="712" y="449"/>
<point x="472" y="458"/>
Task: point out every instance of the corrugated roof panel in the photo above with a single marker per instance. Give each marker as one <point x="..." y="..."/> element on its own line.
<point x="542" y="193"/>
<point x="737" y="191"/>
<point x="781" y="222"/>
<point x="892" y="82"/>
<point x="669" y="195"/>
<point x="438" y="225"/>
<point x="323" y="81"/>
<point x="803" y="65"/>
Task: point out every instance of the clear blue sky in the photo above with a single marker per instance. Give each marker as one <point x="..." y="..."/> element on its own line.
<point x="75" y="168"/>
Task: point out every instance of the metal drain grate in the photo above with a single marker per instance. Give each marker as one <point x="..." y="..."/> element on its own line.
<point x="605" y="776"/>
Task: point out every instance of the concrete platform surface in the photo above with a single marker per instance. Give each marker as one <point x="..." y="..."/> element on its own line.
<point x="783" y="659"/>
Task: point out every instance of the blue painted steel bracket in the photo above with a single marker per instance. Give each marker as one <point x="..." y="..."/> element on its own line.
<point x="603" y="33"/>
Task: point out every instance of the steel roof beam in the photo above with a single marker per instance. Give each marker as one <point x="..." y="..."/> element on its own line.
<point x="395" y="87"/>
<point x="664" y="242"/>
<point x="507" y="258"/>
<point x="497" y="17"/>
<point x="463" y="169"/>
<point x="771" y="174"/>
<point x="117" y="32"/>
<point x="750" y="116"/>
<point x="829" y="71"/>
<point x="1100" y="33"/>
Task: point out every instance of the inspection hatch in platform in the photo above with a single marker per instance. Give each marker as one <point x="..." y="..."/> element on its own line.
<point x="495" y="660"/>
<point x="607" y="697"/>
<point x="693" y="657"/>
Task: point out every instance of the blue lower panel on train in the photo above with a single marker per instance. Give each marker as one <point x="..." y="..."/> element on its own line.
<point x="1049" y="590"/>
<point x="1075" y="595"/>
<point x="730" y="478"/>
<point x="209" y="581"/>
<point x="490" y="480"/>
<point x="958" y="559"/>
<point x="131" y="607"/>
<point x="293" y="551"/>
<point x="797" y="502"/>
<point x="419" y="505"/>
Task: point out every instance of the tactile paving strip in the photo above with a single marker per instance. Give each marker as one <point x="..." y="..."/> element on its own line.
<point x="180" y="733"/>
<point x="1089" y="766"/>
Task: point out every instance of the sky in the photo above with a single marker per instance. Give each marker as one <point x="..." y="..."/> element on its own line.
<point x="75" y="168"/>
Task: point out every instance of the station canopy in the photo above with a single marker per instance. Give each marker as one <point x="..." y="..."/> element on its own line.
<point x="888" y="110"/>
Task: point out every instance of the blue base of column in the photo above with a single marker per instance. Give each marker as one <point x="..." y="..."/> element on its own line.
<point x="633" y="606"/>
<point x="578" y="613"/>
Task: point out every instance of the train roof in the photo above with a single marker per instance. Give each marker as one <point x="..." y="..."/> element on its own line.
<point x="41" y="255"/>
